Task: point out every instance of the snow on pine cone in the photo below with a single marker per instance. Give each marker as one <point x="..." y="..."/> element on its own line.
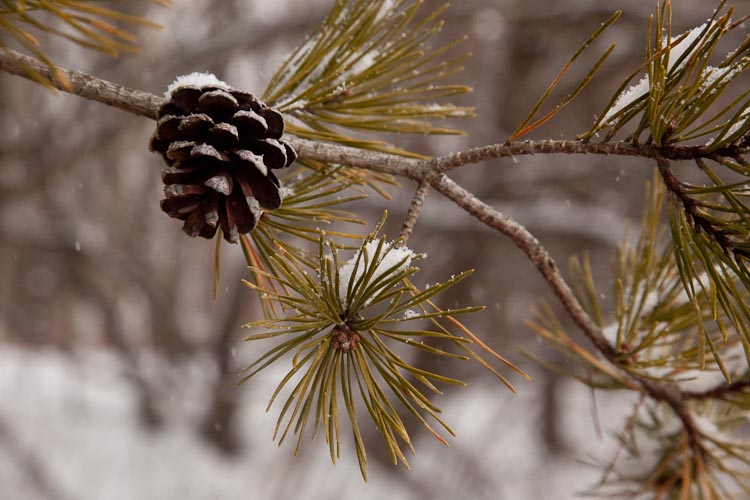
<point x="220" y="145"/>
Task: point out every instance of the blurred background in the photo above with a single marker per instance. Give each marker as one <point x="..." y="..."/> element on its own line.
<point x="118" y="370"/>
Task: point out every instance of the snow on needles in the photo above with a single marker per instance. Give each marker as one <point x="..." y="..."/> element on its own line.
<point x="678" y="52"/>
<point x="390" y="257"/>
<point x="196" y="79"/>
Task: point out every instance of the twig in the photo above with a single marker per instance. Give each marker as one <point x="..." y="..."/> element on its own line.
<point x="690" y="204"/>
<point x="538" y="255"/>
<point x="83" y="84"/>
<point x="535" y="252"/>
<point x="326" y="152"/>
<point x="415" y="207"/>
<point x="721" y="391"/>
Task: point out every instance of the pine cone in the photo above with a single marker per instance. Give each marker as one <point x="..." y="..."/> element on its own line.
<point x="220" y="145"/>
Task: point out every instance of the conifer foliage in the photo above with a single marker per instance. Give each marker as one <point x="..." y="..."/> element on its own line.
<point x="340" y="308"/>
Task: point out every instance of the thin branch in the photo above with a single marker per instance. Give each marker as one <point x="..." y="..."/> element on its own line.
<point x="721" y="391"/>
<point x="145" y="104"/>
<point x="326" y="152"/>
<point x="83" y="84"/>
<point x="538" y="255"/>
<point x="493" y="151"/>
<point x="535" y="252"/>
<point x="701" y="223"/>
<point x="415" y="207"/>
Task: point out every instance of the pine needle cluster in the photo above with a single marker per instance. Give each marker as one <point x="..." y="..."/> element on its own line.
<point x="345" y="329"/>
<point x="82" y="22"/>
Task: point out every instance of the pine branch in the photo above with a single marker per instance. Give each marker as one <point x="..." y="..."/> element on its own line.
<point x="82" y="84"/>
<point x="145" y="104"/>
<point x="86" y="24"/>
<point x="431" y="172"/>
<point x="692" y="210"/>
<point x="722" y="391"/>
<point x="534" y="250"/>
<point x="538" y="255"/>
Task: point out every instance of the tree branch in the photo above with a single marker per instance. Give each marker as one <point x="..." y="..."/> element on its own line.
<point x="145" y="104"/>
<point x="415" y="207"/>
<point x="82" y="84"/>
<point x="721" y="391"/>
<point x="535" y="252"/>
<point x="538" y="255"/>
<point x="431" y="173"/>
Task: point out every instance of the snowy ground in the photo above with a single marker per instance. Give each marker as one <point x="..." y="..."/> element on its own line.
<point x="72" y="422"/>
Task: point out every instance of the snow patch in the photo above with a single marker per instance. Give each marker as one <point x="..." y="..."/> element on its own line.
<point x="629" y="96"/>
<point x="713" y="74"/>
<point x="649" y="300"/>
<point x="677" y="51"/>
<point x="744" y="117"/>
<point x="410" y="313"/>
<point x="285" y="192"/>
<point x="610" y="332"/>
<point x="389" y="257"/>
<point x="196" y="79"/>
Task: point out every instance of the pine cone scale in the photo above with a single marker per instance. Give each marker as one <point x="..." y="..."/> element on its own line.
<point x="274" y="122"/>
<point x="260" y="187"/>
<point x="221" y="183"/>
<point x="224" y="135"/>
<point x="179" y="208"/>
<point x="195" y="126"/>
<point x="249" y="123"/>
<point x="218" y="103"/>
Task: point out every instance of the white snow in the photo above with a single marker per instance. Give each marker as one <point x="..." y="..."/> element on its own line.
<point x="736" y="126"/>
<point x="285" y="192"/>
<point x="385" y="7"/>
<point x="610" y="332"/>
<point x="713" y="74"/>
<point x="254" y="206"/>
<point x="677" y="51"/>
<point x="648" y="303"/>
<point x="629" y="96"/>
<point x="196" y="79"/>
<point x="733" y="358"/>
<point x="410" y="313"/>
<point x="699" y="283"/>
<point x="364" y="63"/>
<point x="389" y="257"/>
<point x="77" y="419"/>
<point x="707" y="427"/>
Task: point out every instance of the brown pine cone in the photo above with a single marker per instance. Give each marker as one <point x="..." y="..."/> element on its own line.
<point x="220" y="145"/>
